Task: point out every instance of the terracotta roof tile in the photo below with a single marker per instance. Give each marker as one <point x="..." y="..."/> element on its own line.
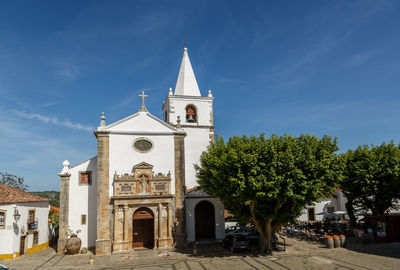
<point x="227" y="214"/>
<point x="192" y="189"/>
<point x="13" y="195"/>
<point x="54" y="209"/>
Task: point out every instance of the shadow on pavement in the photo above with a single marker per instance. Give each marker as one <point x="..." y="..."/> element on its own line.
<point x="213" y="250"/>
<point x="384" y="249"/>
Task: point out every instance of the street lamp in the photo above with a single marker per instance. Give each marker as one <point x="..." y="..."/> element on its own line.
<point x="16" y="214"/>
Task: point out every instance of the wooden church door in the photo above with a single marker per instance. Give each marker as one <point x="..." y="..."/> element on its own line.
<point x="143" y="228"/>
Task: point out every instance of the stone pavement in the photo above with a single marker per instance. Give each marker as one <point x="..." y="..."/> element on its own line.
<point x="299" y="255"/>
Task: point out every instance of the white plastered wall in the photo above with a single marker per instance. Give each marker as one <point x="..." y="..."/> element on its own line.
<point x="196" y="141"/>
<point x="318" y="206"/>
<point x="198" y="134"/>
<point x="7" y="234"/>
<point x="338" y="204"/>
<point x="83" y="201"/>
<point x="12" y="232"/>
<point x="123" y="156"/>
<point x="190" y="217"/>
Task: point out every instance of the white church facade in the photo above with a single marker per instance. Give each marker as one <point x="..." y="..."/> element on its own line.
<point x="133" y="193"/>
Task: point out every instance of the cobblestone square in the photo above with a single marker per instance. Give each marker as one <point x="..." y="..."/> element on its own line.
<point x="299" y="255"/>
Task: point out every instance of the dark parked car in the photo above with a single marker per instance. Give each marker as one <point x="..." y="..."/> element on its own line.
<point x="254" y="237"/>
<point x="236" y="242"/>
<point x="232" y="229"/>
<point x="2" y="267"/>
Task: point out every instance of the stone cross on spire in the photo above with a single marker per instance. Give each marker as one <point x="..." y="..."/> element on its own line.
<point x="143" y="108"/>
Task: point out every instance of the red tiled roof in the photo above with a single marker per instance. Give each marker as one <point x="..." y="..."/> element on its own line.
<point x="192" y="189"/>
<point x="54" y="209"/>
<point x="227" y="214"/>
<point x="13" y="195"/>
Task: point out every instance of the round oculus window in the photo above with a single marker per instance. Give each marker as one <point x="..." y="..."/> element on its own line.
<point x="142" y="145"/>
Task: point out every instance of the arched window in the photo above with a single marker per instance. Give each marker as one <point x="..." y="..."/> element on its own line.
<point x="191" y="114"/>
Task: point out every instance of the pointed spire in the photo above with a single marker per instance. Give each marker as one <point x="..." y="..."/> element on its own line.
<point x="186" y="84"/>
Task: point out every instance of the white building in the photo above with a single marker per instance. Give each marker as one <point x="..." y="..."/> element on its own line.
<point x="23" y="222"/>
<point x="316" y="211"/>
<point x="132" y="193"/>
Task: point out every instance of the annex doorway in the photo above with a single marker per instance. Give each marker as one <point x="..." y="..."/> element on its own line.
<point x="204" y="220"/>
<point x="22" y="245"/>
<point x="143" y="228"/>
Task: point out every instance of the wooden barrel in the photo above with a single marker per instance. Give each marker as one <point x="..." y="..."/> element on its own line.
<point x="342" y="240"/>
<point x="329" y="242"/>
<point x="336" y="241"/>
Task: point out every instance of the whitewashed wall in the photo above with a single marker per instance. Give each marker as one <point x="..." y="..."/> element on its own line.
<point x="337" y="203"/>
<point x="123" y="157"/>
<point x="83" y="201"/>
<point x="12" y="233"/>
<point x="318" y="206"/>
<point x="7" y="234"/>
<point x="190" y="205"/>
<point x="198" y="134"/>
<point x="196" y="142"/>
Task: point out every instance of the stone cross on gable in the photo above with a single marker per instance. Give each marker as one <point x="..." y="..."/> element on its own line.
<point x="143" y="108"/>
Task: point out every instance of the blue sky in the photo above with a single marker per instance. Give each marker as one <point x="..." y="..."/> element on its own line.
<point x="319" y="67"/>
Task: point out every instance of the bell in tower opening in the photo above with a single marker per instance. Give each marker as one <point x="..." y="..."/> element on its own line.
<point x="191" y="114"/>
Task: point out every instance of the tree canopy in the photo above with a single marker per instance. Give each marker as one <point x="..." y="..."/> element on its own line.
<point x="54" y="196"/>
<point x="372" y="177"/>
<point x="13" y="181"/>
<point x="269" y="180"/>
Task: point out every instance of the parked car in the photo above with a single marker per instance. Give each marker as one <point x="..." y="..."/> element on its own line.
<point x="236" y="242"/>
<point x="2" y="267"/>
<point x="254" y="237"/>
<point x="232" y="229"/>
<point x="241" y="230"/>
<point x="230" y="221"/>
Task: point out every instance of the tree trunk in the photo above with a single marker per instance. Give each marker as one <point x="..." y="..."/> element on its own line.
<point x="265" y="231"/>
<point x="265" y="239"/>
<point x="268" y="236"/>
<point x="350" y="212"/>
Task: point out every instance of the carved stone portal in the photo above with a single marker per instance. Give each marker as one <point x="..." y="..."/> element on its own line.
<point x="147" y="192"/>
<point x="143" y="181"/>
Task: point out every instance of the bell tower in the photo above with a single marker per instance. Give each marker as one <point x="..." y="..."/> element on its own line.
<point x="195" y="114"/>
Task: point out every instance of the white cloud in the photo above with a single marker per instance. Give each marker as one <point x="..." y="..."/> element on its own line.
<point x="52" y="120"/>
<point x="37" y="156"/>
<point x="48" y="104"/>
<point x="360" y="58"/>
<point x="67" y="68"/>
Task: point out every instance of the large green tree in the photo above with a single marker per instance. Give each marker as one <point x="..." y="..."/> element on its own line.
<point x="268" y="181"/>
<point x="372" y="177"/>
<point x="12" y="180"/>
